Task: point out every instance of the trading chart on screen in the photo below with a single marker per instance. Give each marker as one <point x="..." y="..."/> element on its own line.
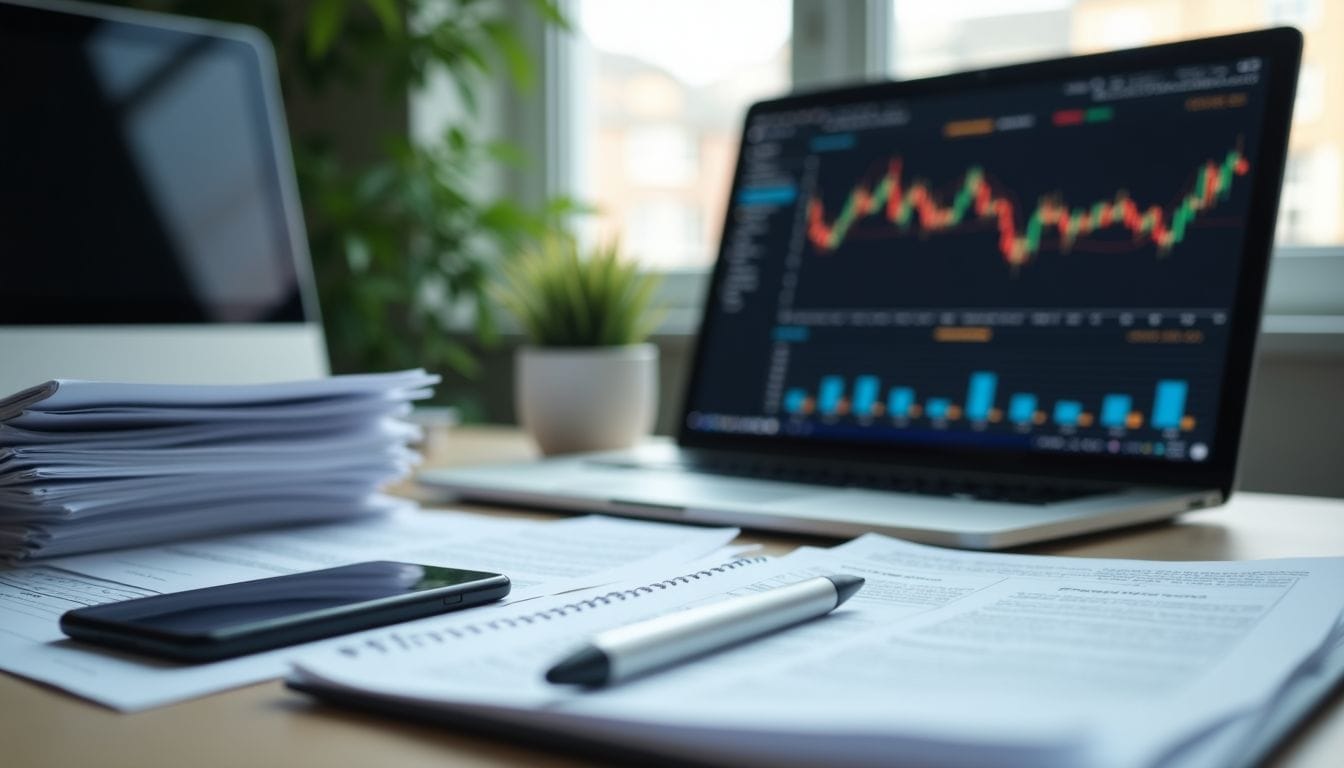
<point x="1049" y="266"/>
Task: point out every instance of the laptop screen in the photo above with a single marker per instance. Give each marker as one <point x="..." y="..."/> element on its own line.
<point x="1046" y="265"/>
<point x="142" y="181"/>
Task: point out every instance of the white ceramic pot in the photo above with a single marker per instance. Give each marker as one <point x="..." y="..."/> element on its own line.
<point x="586" y="398"/>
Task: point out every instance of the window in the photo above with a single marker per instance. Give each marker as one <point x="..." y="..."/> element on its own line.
<point x="660" y="88"/>
<point x="929" y="38"/>
<point x="646" y="100"/>
<point x="1313" y="193"/>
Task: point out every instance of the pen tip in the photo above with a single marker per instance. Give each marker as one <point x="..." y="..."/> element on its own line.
<point x="845" y="586"/>
<point x="588" y="666"/>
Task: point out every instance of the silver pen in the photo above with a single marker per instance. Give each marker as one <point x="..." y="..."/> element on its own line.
<point x="621" y="653"/>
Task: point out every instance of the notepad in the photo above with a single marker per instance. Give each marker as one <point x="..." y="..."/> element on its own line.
<point x="944" y="657"/>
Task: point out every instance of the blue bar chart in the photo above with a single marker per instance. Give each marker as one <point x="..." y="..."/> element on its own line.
<point x="1169" y="404"/>
<point x="865" y="394"/>
<point x="980" y="395"/>
<point x="899" y="402"/>
<point x="867" y="397"/>
<point x="1068" y="413"/>
<point x="938" y="408"/>
<point x="832" y="390"/>
<point x="1022" y="409"/>
<point x="1115" y="410"/>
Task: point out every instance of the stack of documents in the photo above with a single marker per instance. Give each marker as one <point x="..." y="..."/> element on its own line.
<point x="90" y="465"/>
<point x="942" y="658"/>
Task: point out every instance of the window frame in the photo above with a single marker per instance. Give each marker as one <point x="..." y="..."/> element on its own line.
<point x="847" y="42"/>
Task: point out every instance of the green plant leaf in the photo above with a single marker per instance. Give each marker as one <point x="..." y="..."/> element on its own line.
<point x="551" y="13"/>
<point x="517" y="60"/>
<point x="324" y="24"/>
<point x="506" y="152"/>
<point x="564" y="298"/>
<point x="388" y="13"/>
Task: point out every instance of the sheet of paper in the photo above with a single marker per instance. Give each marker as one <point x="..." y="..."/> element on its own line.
<point x="169" y="520"/>
<point x="1033" y="659"/>
<point x="540" y="557"/>
<point x="73" y="394"/>
<point x="177" y="435"/>
<point x="140" y="417"/>
<point x="373" y="438"/>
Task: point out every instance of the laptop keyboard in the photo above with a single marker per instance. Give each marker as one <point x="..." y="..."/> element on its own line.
<point x="840" y="476"/>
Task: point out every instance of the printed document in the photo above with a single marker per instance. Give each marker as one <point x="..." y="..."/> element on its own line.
<point x="943" y="657"/>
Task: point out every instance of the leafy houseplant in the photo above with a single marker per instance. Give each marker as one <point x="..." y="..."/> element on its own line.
<point x="588" y="380"/>
<point x="564" y="299"/>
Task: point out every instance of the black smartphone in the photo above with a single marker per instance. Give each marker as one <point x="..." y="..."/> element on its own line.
<point x="236" y="619"/>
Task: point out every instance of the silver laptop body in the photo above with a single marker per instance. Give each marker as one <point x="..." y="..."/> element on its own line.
<point x="979" y="310"/>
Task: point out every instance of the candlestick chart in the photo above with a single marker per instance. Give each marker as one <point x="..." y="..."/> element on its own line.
<point x="910" y="207"/>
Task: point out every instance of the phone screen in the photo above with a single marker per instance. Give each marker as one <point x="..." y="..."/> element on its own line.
<point x="238" y="606"/>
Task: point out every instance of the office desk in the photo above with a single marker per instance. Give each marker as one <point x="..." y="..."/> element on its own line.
<point x="267" y="725"/>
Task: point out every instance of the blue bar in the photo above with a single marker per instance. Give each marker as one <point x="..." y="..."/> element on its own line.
<point x="899" y="401"/>
<point x="1115" y="409"/>
<point x="794" y="399"/>
<point x="937" y="407"/>
<point x="1169" y="404"/>
<point x="1021" y="408"/>
<point x="865" y="394"/>
<point x="980" y="395"/>
<point x="1067" y="412"/>
<point x="791" y="333"/>
<point x="832" y="389"/>
<point x="767" y="196"/>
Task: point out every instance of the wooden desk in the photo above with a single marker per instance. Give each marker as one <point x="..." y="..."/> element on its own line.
<point x="267" y="725"/>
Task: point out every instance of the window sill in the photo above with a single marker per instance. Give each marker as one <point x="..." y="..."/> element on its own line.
<point x="1302" y="336"/>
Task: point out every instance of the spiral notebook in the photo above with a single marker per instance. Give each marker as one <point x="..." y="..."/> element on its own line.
<point x="944" y="657"/>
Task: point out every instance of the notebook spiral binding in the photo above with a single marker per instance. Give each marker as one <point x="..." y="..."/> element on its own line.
<point x="405" y="641"/>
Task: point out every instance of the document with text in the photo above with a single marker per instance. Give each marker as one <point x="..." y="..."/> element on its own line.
<point x="943" y="657"/>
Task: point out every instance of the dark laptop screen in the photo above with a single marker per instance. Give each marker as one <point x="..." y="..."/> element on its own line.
<point x="141" y="179"/>
<point x="1044" y="266"/>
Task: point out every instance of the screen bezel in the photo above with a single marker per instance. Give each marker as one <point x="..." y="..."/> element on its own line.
<point x="1283" y="48"/>
<point x="73" y="20"/>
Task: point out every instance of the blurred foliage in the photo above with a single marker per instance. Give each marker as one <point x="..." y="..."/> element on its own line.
<point x="403" y="244"/>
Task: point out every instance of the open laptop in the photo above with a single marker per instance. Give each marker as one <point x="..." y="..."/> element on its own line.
<point x="977" y="310"/>
<point x="149" y="225"/>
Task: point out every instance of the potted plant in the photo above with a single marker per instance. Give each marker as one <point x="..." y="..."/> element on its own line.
<point x="587" y="380"/>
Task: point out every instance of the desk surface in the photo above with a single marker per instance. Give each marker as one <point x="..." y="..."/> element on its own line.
<point x="267" y="725"/>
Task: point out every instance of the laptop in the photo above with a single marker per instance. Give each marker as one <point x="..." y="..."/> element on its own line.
<point x="978" y="310"/>
<point x="150" y="227"/>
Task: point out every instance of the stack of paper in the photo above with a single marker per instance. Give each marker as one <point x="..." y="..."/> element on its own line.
<point x="90" y="465"/>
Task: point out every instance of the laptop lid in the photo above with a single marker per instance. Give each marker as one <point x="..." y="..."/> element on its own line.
<point x="1054" y="268"/>
<point x="150" y="228"/>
